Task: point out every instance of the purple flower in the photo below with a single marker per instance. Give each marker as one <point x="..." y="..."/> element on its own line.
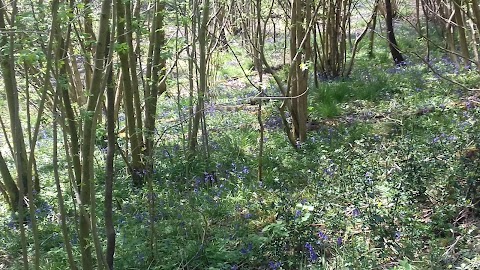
<point x="208" y="178"/>
<point x="298" y="213"/>
<point x="355" y="212"/>
<point x="247" y="249"/>
<point x="247" y="216"/>
<point x="312" y="255"/>
<point x="176" y="147"/>
<point x="274" y="265"/>
<point x="469" y="105"/>
<point x="11" y="225"/>
<point x="339" y="241"/>
<point x="322" y="236"/>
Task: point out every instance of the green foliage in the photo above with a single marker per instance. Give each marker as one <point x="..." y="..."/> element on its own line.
<point x="329" y="97"/>
<point x="387" y="180"/>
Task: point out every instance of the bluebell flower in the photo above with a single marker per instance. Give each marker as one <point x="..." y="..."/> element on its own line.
<point x="368" y="178"/>
<point x="339" y="241"/>
<point x="208" y="178"/>
<point x="322" y="236"/>
<point x="298" y="213"/>
<point x="198" y="180"/>
<point x="330" y="171"/>
<point x="469" y="105"/>
<point x="166" y="154"/>
<point x="176" y="147"/>
<point x="139" y="216"/>
<point x="247" y="249"/>
<point x="274" y="265"/>
<point x="11" y="225"/>
<point x="74" y="240"/>
<point x="312" y="255"/>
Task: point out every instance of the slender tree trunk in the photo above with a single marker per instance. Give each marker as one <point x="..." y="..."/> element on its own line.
<point x="137" y="165"/>
<point x="89" y="129"/>
<point x="476" y="12"/>
<point x="132" y="60"/>
<point x="417" y="15"/>
<point x="475" y="32"/>
<point x="202" y="42"/>
<point x="61" y="205"/>
<point x="372" y="30"/>
<point x="7" y="64"/>
<point x="427" y="32"/>
<point x="259" y="39"/>
<point x="449" y="34"/>
<point x="462" y="36"/>
<point x="157" y="85"/>
<point x="109" y="176"/>
<point x="392" y="42"/>
<point x="10" y="187"/>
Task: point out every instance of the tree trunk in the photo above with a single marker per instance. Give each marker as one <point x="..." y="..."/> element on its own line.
<point x="61" y="205"/>
<point x="157" y="85"/>
<point x="392" y="42"/>
<point x="137" y="166"/>
<point x="11" y="188"/>
<point x="199" y="109"/>
<point x="7" y="63"/>
<point x="89" y="128"/>
<point x="109" y="177"/>
<point x="462" y="36"/>
<point x="133" y="70"/>
<point x="299" y="83"/>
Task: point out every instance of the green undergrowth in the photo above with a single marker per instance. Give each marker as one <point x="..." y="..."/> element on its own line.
<point x="386" y="180"/>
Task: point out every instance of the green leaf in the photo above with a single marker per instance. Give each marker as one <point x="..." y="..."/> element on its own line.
<point x="306" y="216"/>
